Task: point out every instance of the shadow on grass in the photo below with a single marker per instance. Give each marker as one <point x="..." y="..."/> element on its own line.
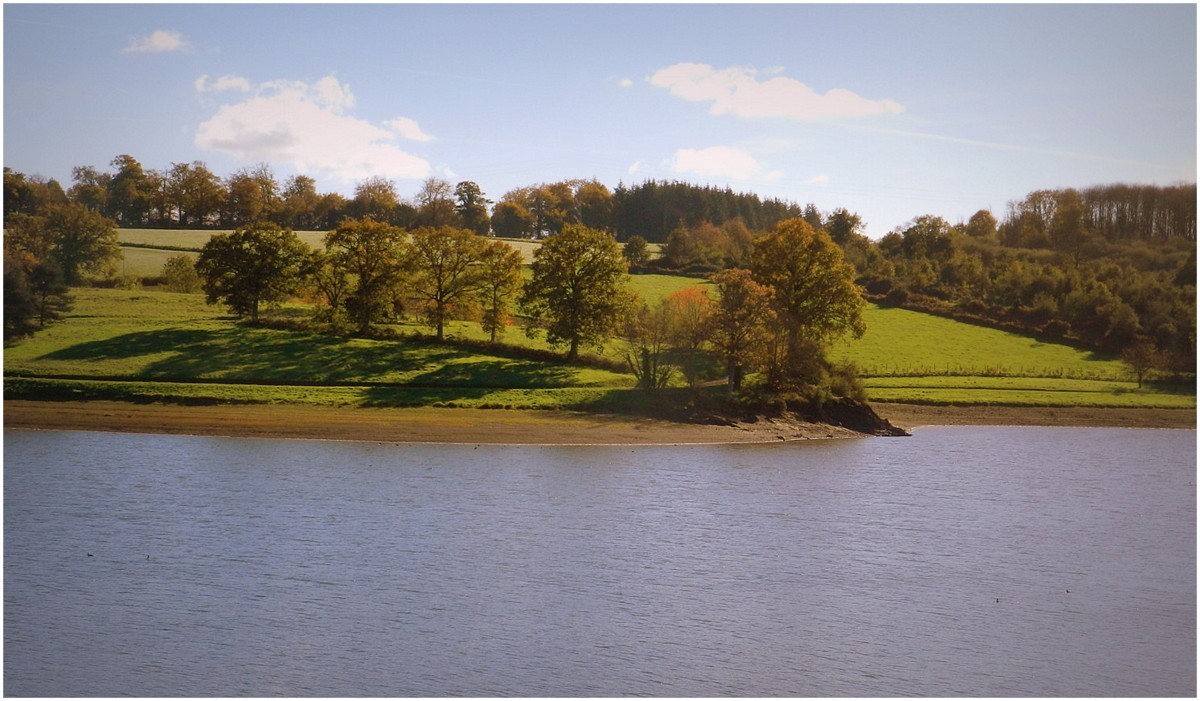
<point x="265" y="355"/>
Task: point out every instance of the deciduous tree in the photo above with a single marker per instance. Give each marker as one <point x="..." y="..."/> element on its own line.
<point x="446" y="263"/>
<point x="255" y="264"/>
<point x="376" y="256"/>
<point x="500" y="281"/>
<point x="742" y="323"/>
<point x="578" y="289"/>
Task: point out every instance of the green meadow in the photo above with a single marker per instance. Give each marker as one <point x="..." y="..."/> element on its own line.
<point x="149" y="345"/>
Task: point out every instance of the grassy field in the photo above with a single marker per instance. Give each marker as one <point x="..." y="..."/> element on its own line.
<point x="146" y="345"/>
<point x="146" y="250"/>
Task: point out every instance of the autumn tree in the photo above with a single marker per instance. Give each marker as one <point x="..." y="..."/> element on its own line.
<point x="435" y="204"/>
<point x="472" y="207"/>
<point x="129" y="192"/>
<point x="742" y="323"/>
<point x="252" y="194"/>
<point x="375" y="197"/>
<point x="194" y="192"/>
<point x="690" y="312"/>
<point x="578" y="288"/>
<point x="815" y="297"/>
<point x="446" y="263"/>
<point x="512" y="219"/>
<point x="376" y="257"/>
<point x="499" y="282"/>
<point x="255" y="264"/>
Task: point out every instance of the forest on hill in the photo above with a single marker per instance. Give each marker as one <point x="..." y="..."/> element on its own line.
<point x="1109" y="267"/>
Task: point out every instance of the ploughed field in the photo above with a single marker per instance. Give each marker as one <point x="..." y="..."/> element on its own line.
<point x="150" y="345"/>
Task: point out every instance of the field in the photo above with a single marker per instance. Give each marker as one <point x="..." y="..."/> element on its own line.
<point x="151" y="345"/>
<point x="148" y="345"/>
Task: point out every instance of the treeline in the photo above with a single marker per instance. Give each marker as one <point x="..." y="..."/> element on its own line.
<point x="189" y="195"/>
<point x="1108" y="267"/>
<point x="1064" y="276"/>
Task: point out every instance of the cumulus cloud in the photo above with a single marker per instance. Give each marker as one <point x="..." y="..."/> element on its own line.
<point x="224" y="83"/>
<point x="408" y="129"/>
<point x="739" y="91"/>
<point x="305" y="126"/>
<point x="821" y="179"/>
<point x="159" y="41"/>
<point x="718" y="162"/>
<point x="626" y="83"/>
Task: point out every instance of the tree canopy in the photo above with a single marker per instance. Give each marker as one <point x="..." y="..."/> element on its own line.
<point x="578" y="289"/>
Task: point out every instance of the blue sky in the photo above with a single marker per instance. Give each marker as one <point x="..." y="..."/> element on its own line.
<point x="891" y="111"/>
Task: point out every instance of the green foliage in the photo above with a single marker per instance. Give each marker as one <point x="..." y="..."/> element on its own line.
<point x="260" y="263"/>
<point x="499" y="282"/>
<point x="579" y="288"/>
<point x="376" y="258"/>
<point x="179" y="274"/>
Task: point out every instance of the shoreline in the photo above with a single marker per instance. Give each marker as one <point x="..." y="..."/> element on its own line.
<point x="514" y="427"/>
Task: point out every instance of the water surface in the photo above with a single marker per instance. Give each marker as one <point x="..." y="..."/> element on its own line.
<point x="961" y="561"/>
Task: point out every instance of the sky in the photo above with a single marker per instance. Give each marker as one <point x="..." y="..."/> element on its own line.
<point x="890" y="111"/>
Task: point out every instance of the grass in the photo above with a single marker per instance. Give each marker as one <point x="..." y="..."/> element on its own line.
<point x="902" y="342"/>
<point x="160" y="346"/>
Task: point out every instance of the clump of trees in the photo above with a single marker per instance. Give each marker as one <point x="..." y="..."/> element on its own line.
<point x="1107" y="268"/>
<point x="49" y="245"/>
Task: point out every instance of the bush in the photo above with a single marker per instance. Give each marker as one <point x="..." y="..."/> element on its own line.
<point x="896" y="297"/>
<point x="179" y="274"/>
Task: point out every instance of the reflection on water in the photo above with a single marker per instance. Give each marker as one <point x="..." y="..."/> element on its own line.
<point x="962" y="561"/>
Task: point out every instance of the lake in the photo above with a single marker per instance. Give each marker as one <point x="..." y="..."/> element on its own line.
<point x="960" y="561"/>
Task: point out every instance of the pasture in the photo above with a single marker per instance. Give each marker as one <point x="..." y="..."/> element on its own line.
<point x="148" y="345"/>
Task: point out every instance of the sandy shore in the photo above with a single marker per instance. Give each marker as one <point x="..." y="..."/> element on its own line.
<point x="428" y="425"/>
<point x="418" y="425"/>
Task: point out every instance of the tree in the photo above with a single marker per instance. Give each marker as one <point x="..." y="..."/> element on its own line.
<point x="1142" y="357"/>
<point x="80" y="241"/>
<point x="741" y="323"/>
<point x="648" y="330"/>
<point x="578" y="288"/>
<point x="252" y="195"/>
<point x="435" y="204"/>
<point x="690" y="313"/>
<point x="982" y="225"/>
<point x="179" y="274"/>
<point x="376" y="256"/>
<point x="300" y="203"/>
<point x="815" y="297"/>
<point x="472" y="207"/>
<point x="843" y="226"/>
<point x="194" y="192"/>
<point x="512" y="220"/>
<point x="20" y="307"/>
<point x="446" y="261"/>
<point x="255" y="264"/>
<point x="376" y="198"/>
<point x="129" y="192"/>
<point x="90" y="188"/>
<point x="636" y="251"/>
<point x="594" y="201"/>
<point x="51" y="299"/>
<point x="499" y="281"/>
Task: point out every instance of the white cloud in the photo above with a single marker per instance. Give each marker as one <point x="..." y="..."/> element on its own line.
<point x="821" y="179"/>
<point x="303" y="126"/>
<point x="408" y="129"/>
<point x="738" y="91"/>
<point x="160" y="41"/>
<point x="626" y="83"/>
<point x="222" y="84"/>
<point x="638" y="165"/>
<point x="719" y="162"/>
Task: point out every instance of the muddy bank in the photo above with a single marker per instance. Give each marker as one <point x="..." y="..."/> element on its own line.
<point x="409" y="425"/>
<point x="912" y="416"/>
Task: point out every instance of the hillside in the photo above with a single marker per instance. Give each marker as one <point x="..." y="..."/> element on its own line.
<point x="159" y="346"/>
